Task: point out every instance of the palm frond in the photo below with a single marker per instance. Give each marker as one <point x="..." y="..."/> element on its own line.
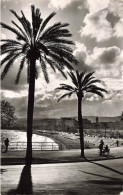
<point x="36" y="20"/>
<point x="12" y="50"/>
<point x="54" y="65"/>
<point x="96" y="92"/>
<point x="87" y="78"/>
<point x="43" y="48"/>
<point x="56" y="33"/>
<point x="62" y="52"/>
<point x="19" y="35"/>
<point x="11" y="41"/>
<point x="91" y="81"/>
<point x="80" y="77"/>
<point x="44" y="69"/>
<point x="25" y="23"/>
<point x="51" y="63"/>
<point x="21" y="30"/>
<point x="60" y="41"/>
<point x="9" y="47"/>
<point x="63" y="96"/>
<point x="8" y="57"/>
<point x="60" y="60"/>
<point x="73" y="78"/>
<point x="55" y="46"/>
<point x="49" y="30"/>
<point x="45" y="22"/>
<point x="20" y="70"/>
<point x="66" y="87"/>
<point x="8" y="65"/>
<point x="60" y="69"/>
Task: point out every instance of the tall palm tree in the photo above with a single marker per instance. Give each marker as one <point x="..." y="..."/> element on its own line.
<point x="50" y="46"/>
<point x="82" y="83"/>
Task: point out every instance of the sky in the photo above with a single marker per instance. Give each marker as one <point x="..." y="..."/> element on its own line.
<point x="97" y="29"/>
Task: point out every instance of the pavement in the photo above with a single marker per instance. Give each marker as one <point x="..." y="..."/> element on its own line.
<point x="81" y="178"/>
<point x="65" y="156"/>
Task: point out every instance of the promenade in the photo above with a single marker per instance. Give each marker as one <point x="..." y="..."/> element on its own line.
<point x="44" y="157"/>
<point x="82" y="178"/>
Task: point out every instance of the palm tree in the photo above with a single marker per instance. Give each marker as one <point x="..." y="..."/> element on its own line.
<point x="50" y="46"/>
<point x="82" y="83"/>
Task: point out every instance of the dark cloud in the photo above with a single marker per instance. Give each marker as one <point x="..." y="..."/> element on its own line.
<point x="9" y="81"/>
<point x="109" y="55"/>
<point x="112" y="18"/>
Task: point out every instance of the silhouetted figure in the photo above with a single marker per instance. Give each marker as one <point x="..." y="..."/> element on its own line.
<point x="106" y="148"/>
<point x="101" y="146"/>
<point x="6" y="144"/>
<point x="117" y="142"/>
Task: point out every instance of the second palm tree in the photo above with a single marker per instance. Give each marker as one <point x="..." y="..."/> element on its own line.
<point x="82" y="83"/>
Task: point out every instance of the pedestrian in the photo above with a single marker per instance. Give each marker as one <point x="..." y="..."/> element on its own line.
<point x="101" y="146"/>
<point x="106" y="148"/>
<point x="6" y="144"/>
<point x="117" y="142"/>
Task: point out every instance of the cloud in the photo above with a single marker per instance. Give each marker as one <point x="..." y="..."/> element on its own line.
<point x="60" y="4"/>
<point x="103" y="21"/>
<point x="113" y="84"/>
<point x="109" y="55"/>
<point x="97" y="5"/>
<point x="96" y="26"/>
<point x="118" y="29"/>
<point x="106" y="61"/>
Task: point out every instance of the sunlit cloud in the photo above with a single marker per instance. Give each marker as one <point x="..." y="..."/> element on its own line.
<point x="102" y="22"/>
<point x="60" y="4"/>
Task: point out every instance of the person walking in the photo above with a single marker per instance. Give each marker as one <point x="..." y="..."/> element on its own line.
<point x="6" y="144"/>
<point x="101" y="146"/>
<point x="117" y="142"/>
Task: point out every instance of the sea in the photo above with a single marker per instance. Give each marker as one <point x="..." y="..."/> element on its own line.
<point x="18" y="141"/>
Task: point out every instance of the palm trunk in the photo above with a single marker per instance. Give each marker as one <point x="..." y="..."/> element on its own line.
<point x="80" y="120"/>
<point x="30" y="111"/>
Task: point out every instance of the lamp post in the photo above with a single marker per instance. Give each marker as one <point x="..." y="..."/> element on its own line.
<point x="105" y="129"/>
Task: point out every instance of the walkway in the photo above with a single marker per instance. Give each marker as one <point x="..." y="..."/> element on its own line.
<point x="40" y="157"/>
<point x="86" y="178"/>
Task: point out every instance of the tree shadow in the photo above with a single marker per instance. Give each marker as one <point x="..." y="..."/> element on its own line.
<point x="112" y="180"/>
<point x="106" y="167"/>
<point x="25" y="183"/>
<point x="113" y="184"/>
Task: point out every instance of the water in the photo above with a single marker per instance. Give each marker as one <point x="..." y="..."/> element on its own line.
<point x="18" y="139"/>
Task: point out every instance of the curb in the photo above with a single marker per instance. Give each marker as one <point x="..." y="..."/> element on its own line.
<point x="21" y="161"/>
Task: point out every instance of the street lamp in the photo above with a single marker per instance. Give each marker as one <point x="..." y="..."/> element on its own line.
<point x="105" y="129"/>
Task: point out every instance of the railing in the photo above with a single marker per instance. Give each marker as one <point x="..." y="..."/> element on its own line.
<point x="43" y="146"/>
<point x="14" y="146"/>
<point x="73" y="146"/>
